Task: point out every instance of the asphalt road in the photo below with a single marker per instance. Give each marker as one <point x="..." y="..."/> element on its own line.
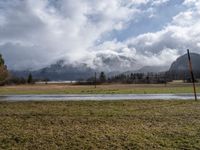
<point x="97" y="97"/>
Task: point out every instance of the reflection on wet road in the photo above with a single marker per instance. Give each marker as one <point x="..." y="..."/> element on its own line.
<point x="96" y="97"/>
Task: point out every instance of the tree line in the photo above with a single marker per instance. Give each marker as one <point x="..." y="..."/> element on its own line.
<point x="131" y="78"/>
<point x="146" y="78"/>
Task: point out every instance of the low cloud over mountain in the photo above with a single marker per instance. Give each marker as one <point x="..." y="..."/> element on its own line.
<point x="114" y="35"/>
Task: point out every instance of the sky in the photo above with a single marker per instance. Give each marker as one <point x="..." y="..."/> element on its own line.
<point x="107" y="34"/>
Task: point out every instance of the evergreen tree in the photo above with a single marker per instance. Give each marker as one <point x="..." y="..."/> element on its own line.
<point x="1" y="60"/>
<point x="30" y="79"/>
<point x="3" y="71"/>
<point x="102" y="77"/>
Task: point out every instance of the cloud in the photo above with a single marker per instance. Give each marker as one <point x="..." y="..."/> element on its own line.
<point x="64" y="28"/>
<point x="191" y="2"/>
<point x="35" y="33"/>
<point x="164" y="46"/>
<point x="159" y="2"/>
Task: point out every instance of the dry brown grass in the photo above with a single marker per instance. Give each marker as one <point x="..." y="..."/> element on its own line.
<point x="103" y="89"/>
<point x="100" y="125"/>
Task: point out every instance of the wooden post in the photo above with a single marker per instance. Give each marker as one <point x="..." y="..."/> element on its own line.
<point x="95" y="80"/>
<point x="192" y="74"/>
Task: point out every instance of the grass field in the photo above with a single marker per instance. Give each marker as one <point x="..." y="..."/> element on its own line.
<point x="100" y="125"/>
<point x="101" y="89"/>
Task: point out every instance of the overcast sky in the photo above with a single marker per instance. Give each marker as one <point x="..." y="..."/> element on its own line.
<point x="108" y="33"/>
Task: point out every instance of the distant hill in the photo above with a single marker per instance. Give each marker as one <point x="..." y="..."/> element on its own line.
<point x="111" y="64"/>
<point x="153" y="69"/>
<point x="149" y="69"/>
<point x="59" y="71"/>
<point x="180" y="68"/>
<point x="63" y="71"/>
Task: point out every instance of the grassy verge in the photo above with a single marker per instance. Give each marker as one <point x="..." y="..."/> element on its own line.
<point x="101" y="89"/>
<point x="100" y="125"/>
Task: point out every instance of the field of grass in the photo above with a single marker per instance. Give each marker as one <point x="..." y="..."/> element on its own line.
<point x="101" y="89"/>
<point x="100" y="125"/>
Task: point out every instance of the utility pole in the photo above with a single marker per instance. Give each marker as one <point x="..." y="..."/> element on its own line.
<point x="192" y="74"/>
<point x="95" y="80"/>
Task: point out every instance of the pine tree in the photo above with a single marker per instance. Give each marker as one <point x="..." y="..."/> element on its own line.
<point x="102" y="77"/>
<point x="1" y="60"/>
<point x="3" y="71"/>
<point x="30" y="79"/>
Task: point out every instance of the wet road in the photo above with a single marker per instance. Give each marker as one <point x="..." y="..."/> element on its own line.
<point x="97" y="97"/>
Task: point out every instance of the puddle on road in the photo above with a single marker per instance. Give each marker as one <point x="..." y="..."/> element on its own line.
<point x="97" y="97"/>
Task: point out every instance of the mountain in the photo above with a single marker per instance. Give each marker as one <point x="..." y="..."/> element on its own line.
<point x="180" y="68"/>
<point x="149" y="69"/>
<point x="181" y="64"/>
<point x="111" y="64"/>
<point x="59" y="71"/>
<point x="63" y="71"/>
<point x="152" y="69"/>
